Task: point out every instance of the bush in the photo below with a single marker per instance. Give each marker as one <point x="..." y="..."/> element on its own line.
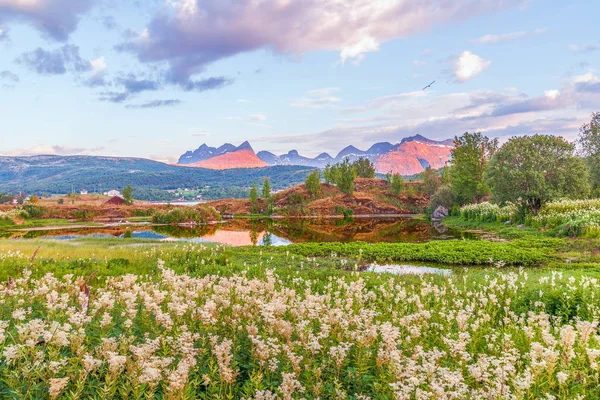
<point x="32" y="211"/>
<point x="487" y="212"/>
<point x="444" y="197"/>
<point x="200" y="215"/>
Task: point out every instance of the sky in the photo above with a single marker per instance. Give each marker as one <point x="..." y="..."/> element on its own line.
<point x="154" y="78"/>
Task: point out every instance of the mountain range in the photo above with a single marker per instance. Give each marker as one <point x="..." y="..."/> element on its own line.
<point x="408" y="157"/>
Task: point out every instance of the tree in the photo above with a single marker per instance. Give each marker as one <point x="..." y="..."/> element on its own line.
<point x="328" y="174"/>
<point x="388" y="177"/>
<point x="364" y="168"/>
<point x="266" y="189"/>
<point x="345" y="176"/>
<point x="431" y="181"/>
<point x="342" y="174"/>
<point x="313" y="183"/>
<point x="536" y="169"/>
<point x="444" y="197"/>
<point x="128" y="194"/>
<point x="397" y="184"/>
<point x="589" y="142"/>
<point x="254" y="199"/>
<point x="470" y="158"/>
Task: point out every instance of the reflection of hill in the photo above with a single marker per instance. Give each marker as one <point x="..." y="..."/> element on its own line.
<point x="246" y="232"/>
<point x="366" y="230"/>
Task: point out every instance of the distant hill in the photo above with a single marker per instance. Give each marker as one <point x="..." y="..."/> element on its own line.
<point x="61" y="174"/>
<point x="408" y="157"/>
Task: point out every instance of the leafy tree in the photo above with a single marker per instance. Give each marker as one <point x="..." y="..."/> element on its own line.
<point x="345" y="176"/>
<point x="470" y="158"/>
<point x="328" y="174"/>
<point x="589" y="142"/>
<point x="254" y="199"/>
<point x="128" y="194"/>
<point x="537" y="169"/>
<point x="388" y="177"/>
<point x="266" y="189"/>
<point x="397" y="184"/>
<point x="444" y="196"/>
<point x="342" y="174"/>
<point x="313" y="183"/>
<point x="431" y="181"/>
<point x="364" y="168"/>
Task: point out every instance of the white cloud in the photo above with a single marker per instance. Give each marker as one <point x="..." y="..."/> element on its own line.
<point x="257" y="117"/>
<point x="198" y="132"/>
<point x="506" y="37"/>
<point x="98" y="65"/>
<point x="584" y="48"/>
<point x="469" y="65"/>
<point x="55" y="150"/>
<point x="357" y="50"/>
<point x="552" y="94"/>
<point x="318" y="98"/>
<point x="190" y="35"/>
<point x="56" y="18"/>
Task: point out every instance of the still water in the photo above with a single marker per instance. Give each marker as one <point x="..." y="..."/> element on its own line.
<point x="266" y="232"/>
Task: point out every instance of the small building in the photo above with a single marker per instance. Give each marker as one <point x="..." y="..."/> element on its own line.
<point x="113" y="193"/>
<point x="116" y="201"/>
<point x="15" y="200"/>
<point x="83" y="192"/>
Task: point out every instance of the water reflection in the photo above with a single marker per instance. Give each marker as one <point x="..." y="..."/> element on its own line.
<point x="267" y="232"/>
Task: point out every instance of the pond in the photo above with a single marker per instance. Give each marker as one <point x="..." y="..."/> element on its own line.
<point x="266" y="232"/>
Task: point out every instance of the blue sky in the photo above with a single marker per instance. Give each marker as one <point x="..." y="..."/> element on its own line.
<point x="156" y="78"/>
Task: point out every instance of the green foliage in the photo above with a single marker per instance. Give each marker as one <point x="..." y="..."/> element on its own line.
<point x="444" y="196"/>
<point x="537" y="169"/>
<point x="347" y="213"/>
<point x="396" y="184"/>
<point x="487" y="212"/>
<point x="578" y="218"/>
<point x="128" y="194"/>
<point x="470" y="158"/>
<point x="182" y="215"/>
<point x="254" y="199"/>
<point x="342" y="174"/>
<point x="431" y="181"/>
<point x="266" y="189"/>
<point x="199" y="323"/>
<point x="313" y="183"/>
<point x="364" y="168"/>
<point x="60" y="201"/>
<point x="442" y="252"/>
<point x="84" y="215"/>
<point x="589" y="141"/>
<point x="32" y="211"/>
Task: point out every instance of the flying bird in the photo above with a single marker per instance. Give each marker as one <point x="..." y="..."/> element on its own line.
<point x="428" y="86"/>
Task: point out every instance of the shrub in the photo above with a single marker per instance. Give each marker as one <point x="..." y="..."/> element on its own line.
<point x="181" y="215"/>
<point x="444" y="197"/>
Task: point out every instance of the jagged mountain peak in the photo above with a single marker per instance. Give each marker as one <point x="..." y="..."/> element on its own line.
<point x="407" y="157"/>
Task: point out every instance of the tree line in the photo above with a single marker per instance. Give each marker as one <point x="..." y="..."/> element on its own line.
<point x="526" y="170"/>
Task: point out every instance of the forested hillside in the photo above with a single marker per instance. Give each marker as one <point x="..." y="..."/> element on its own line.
<point x="151" y="179"/>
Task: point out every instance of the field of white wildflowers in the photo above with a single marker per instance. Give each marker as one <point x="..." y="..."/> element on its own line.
<point x="267" y="333"/>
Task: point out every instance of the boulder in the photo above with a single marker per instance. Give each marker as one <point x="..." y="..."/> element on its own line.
<point x="440" y="212"/>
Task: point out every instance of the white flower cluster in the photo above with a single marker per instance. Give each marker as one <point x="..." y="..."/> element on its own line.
<point x="270" y="337"/>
